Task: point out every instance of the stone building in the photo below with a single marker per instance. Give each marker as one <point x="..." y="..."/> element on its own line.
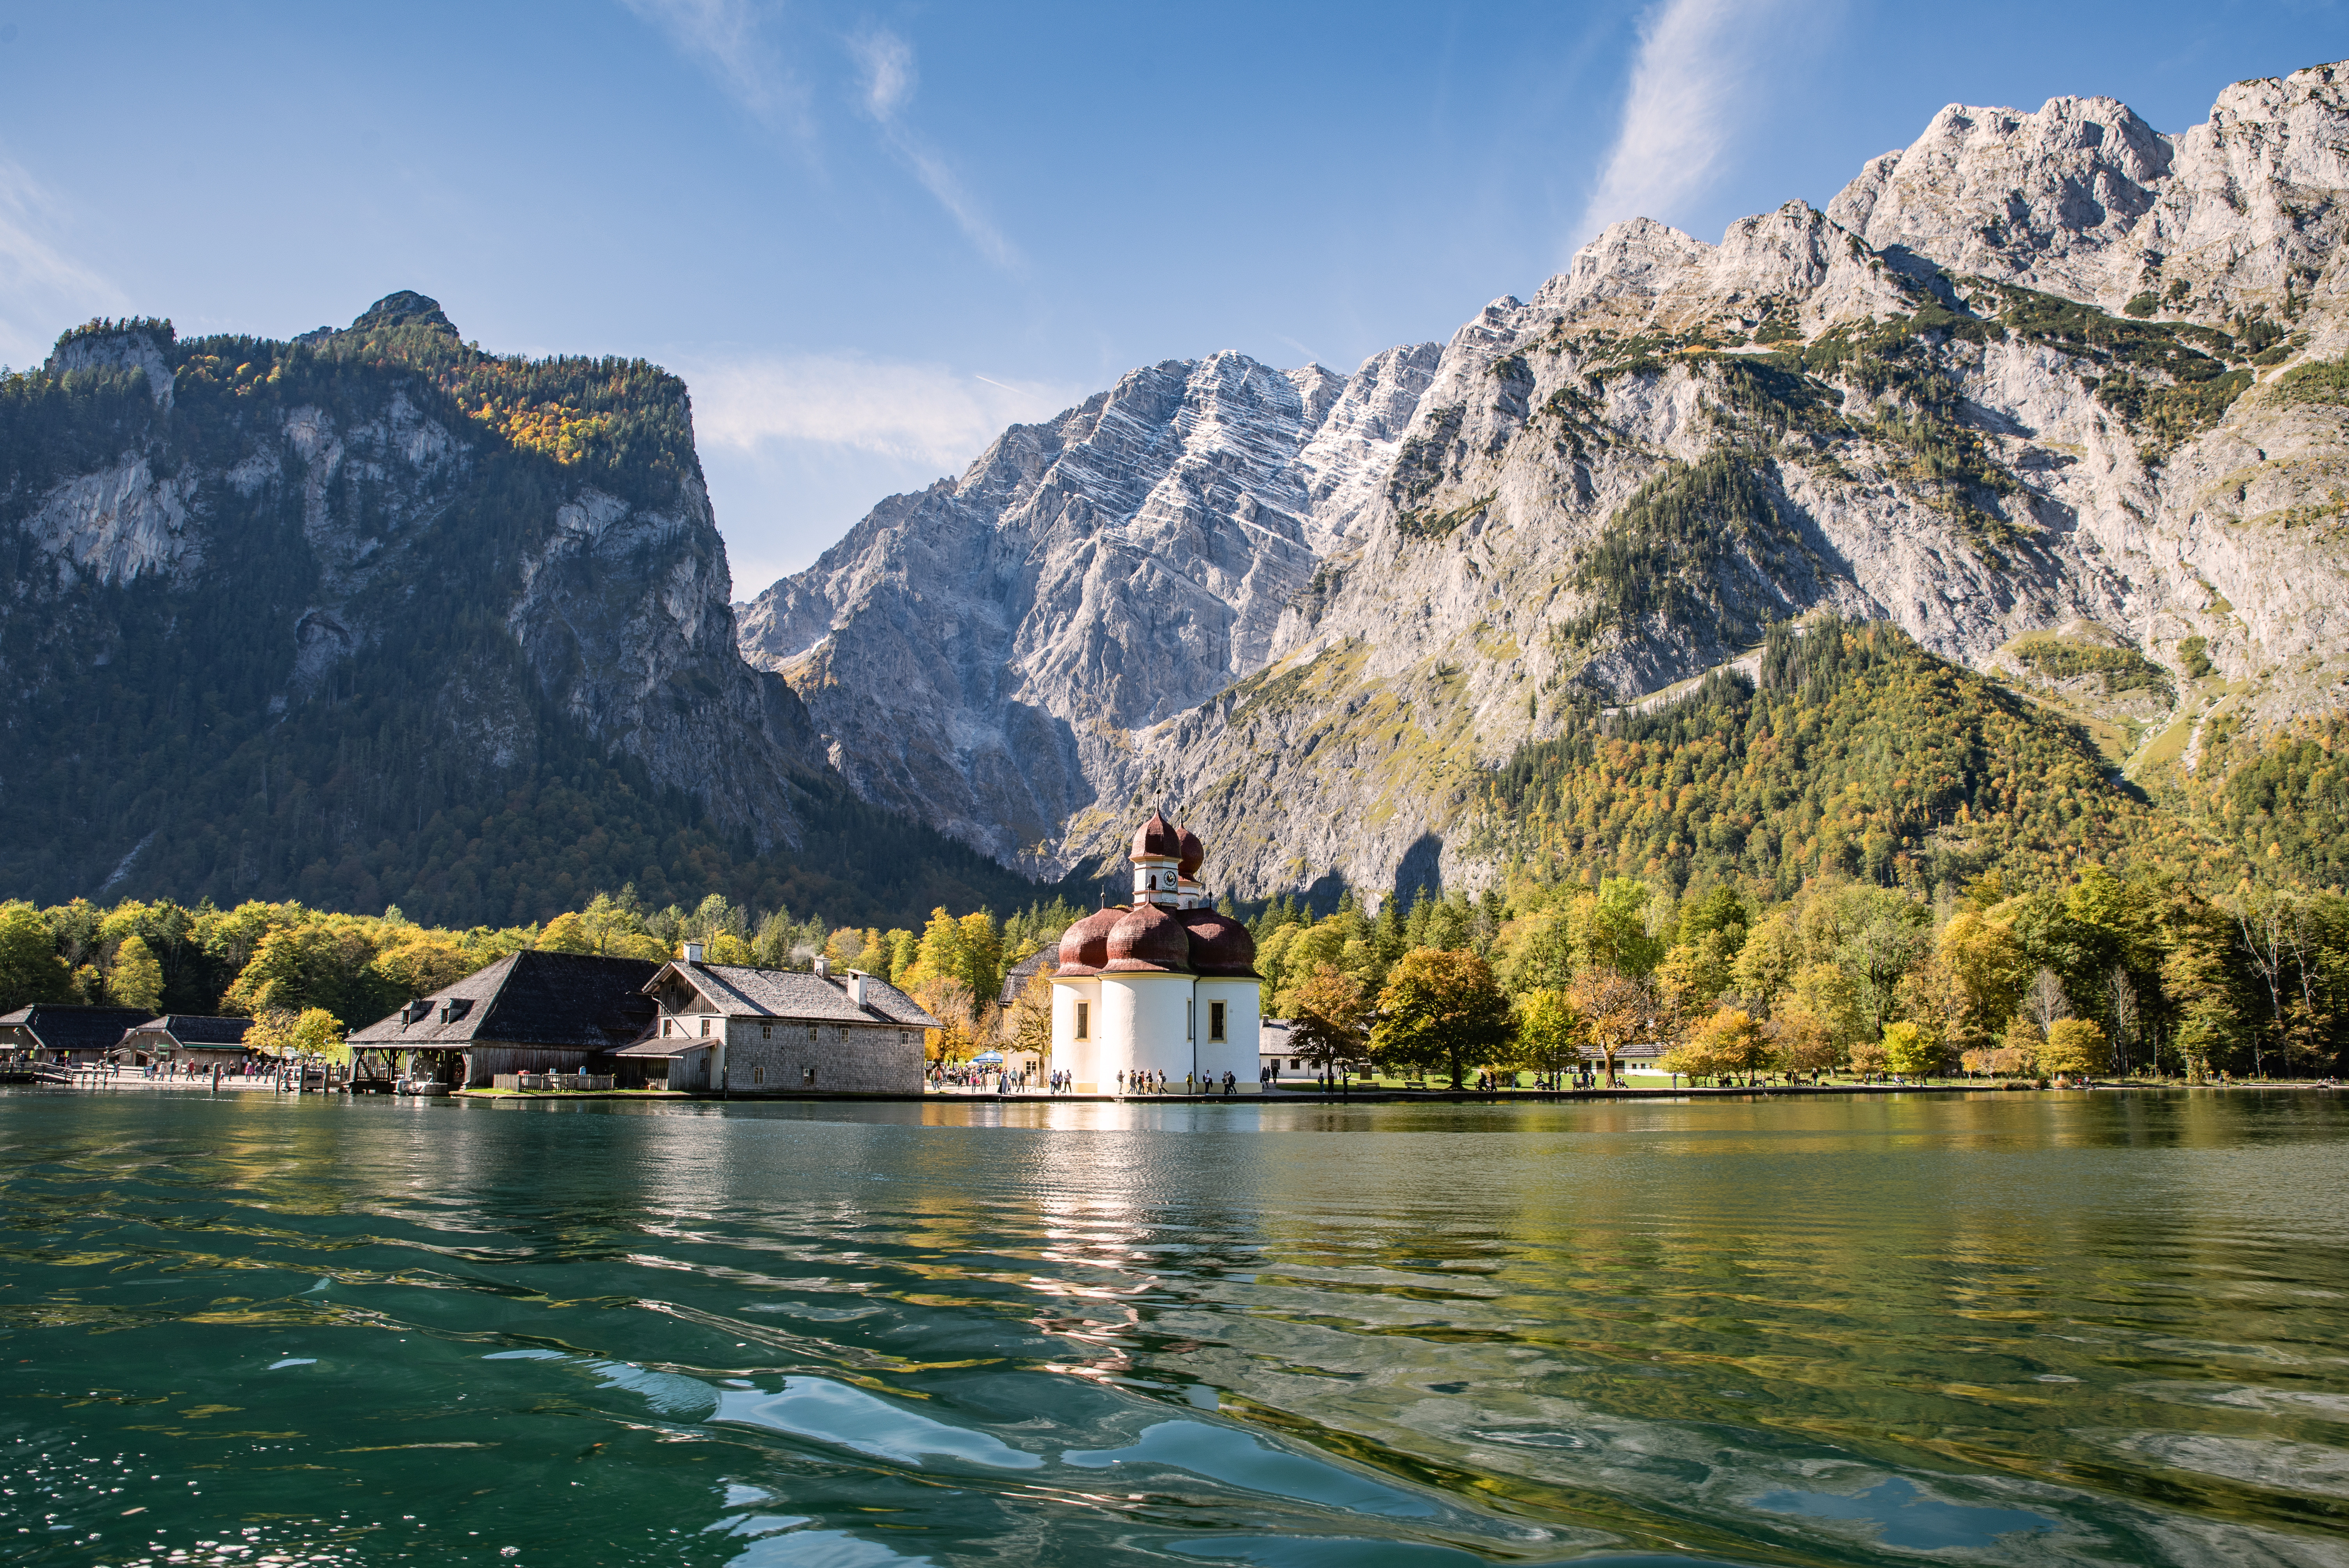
<point x="728" y="1029"/>
<point x="1165" y="985"/>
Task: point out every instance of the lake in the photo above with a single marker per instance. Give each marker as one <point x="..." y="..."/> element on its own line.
<point x="1997" y="1328"/>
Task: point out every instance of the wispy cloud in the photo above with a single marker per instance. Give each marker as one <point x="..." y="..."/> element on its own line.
<point x="922" y="412"/>
<point x="1692" y="86"/>
<point x="724" y="38"/>
<point x="888" y="62"/>
<point x="43" y="290"/>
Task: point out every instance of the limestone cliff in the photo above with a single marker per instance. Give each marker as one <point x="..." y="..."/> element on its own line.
<point x="2044" y="375"/>
<point x="375" y="617"/>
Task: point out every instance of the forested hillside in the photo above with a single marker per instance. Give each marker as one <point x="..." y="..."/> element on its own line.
<point x="1853" y="752"/>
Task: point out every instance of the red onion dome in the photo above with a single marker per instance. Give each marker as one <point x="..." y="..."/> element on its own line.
<point x="1221" y="948"/>
<point x="1148" y="938"/>
<point x="1194" y="852"/>
<point x="1158" y="836"/>
<point x="1084" y="946"/>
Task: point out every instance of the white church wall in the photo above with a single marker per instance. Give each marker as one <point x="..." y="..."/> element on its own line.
<point x="1078" y="1057"/>
<point x="1148" y="1018"/>
<point x="1235" y="1053"/>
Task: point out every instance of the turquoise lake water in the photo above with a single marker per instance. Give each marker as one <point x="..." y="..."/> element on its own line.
<point x="2003" y="1328"/>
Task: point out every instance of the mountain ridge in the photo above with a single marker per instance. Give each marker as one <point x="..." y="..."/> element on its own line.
<point x="1905" y="421"/>
<point x="373" y="617"/>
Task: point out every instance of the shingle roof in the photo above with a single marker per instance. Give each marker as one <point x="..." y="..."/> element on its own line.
<point x="198" y="1029"/>
<point x="576" y="1000"/>
<point x="60" y="1028"/>
<point x="740" y="991"/>
<point x="677" y="1046"/>
<point x="1016" y="978"/>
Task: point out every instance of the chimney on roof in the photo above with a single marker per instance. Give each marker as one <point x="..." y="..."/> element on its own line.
<point x="857" y="986"/>
<point x="693" y="951"/>
<point x="824" y="965"/>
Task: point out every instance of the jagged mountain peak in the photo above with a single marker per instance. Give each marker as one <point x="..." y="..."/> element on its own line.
<point x="1315" y="609"/>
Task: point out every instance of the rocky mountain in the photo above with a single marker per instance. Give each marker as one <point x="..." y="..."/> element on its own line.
<point x="2062" y="396"/>
<point x="374" y="618"/>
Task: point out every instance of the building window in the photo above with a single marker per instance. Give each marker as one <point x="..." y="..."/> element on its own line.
<point x="766" y="1031"/>
<point x="1084" y="1020"/>
<point x="1215" y="1020"/>
<point x="705" y="1028"/>
<point x="807" y="1076"/>
<point x="757" y="1075"/>
<point x="665" y="1026"/>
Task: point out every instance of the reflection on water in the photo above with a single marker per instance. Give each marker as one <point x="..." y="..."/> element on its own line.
<point x="2044" y="1328"/>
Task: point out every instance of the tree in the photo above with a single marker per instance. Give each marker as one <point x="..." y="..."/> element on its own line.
<point x="1550" y="1032"/>
<point x="2018" y="1053"/>
<point x="423" y="963"/>
<point x="567" y="933"/>
<point x="2046" y="1001"/>
<point x="1027" y="1024"/>
<point x="2075" y="1049"/>
<point x="948" y="1000"/>
<point x="30" y="969"/>
<point x="283" y="1032"/>
<point x="940" y="953"/>
<point x="1442" y="1009"/>
<point x="1828" y="993"/>
<point x="1986" y="968"/>
<point x="1735" y="1041"/>
<point x="1801" y="1044"/>
<point x="981" y="953"/>
<point x="1693" y="975"/>
<point x="1611" y="927"/>
<point x="1325" y="1015"/>
<point x="1870" y="1059"/>
<point x="1909" y="1050"/>
<point x="1617" y="1009"/>
<point x="1693" y="1058"/>
<point x="138" y="978"/>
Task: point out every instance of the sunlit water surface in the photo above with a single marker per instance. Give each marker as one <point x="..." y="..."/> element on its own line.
<point x="2010" y="1329"/>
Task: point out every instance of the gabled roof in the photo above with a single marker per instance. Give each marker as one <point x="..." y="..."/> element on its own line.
<point x="677" y="1045"/>
<point x="60" y="1028"/>
<point x="195" y="1030"/>
<point x="1016" y="978"/>
<point x="563" y="1000"/>
<point x="743" y="993"/>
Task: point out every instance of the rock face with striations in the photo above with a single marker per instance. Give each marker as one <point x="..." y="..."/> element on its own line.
<point x="2037" y="374"/>
<point x="981" y="653"/>
<point x="302" y="618"/>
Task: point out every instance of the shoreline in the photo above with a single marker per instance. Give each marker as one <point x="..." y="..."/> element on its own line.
<point x="1285" y="1096"/>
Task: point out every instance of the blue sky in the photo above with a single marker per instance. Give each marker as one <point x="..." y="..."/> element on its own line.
<point x="869" y="236"/>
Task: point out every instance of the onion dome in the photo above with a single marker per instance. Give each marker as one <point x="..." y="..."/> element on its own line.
<point x="1221" y="948"/>
<point x="1194" y="852"/>
<point x="1148" y="938"/>
<point x="1156" y="839"/>
<point x="1084" y="946"/>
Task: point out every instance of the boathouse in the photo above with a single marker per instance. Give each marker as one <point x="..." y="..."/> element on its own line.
<point x="189" y="1042"/>
<point x="530" y="1012"/>
<point x="55" y="1031"/>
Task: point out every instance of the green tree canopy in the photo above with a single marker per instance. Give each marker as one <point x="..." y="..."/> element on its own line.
<point x="1441" y="1009"/>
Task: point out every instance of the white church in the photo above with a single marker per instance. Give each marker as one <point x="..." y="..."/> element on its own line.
<point x="1163" y="984"/>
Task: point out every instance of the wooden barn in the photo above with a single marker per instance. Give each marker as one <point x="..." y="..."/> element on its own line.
<point x="54" y="1032"/>
<point x="184" y="1042"/>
